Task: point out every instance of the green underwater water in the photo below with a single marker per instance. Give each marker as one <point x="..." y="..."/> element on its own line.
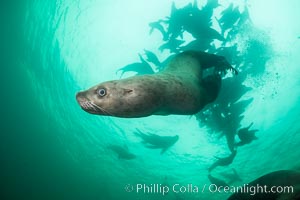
<point x="51" y="149"/>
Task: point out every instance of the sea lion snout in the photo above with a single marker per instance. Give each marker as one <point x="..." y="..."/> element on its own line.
<point x="94" y="100"/>
<point x="80" y="97"/>
<point x="84" y="102"/>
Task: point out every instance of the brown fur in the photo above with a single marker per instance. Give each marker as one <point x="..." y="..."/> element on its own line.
<point x="178" y="89"/>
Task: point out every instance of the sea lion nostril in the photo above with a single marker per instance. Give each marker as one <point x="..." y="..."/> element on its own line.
<point x="81" y="98"/>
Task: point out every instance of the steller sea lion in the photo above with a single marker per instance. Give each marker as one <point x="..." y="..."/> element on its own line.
<point x="122" y="152"/>
<point x="178" y="89"/>
<point x="277" y="185"/>
<point x="153" y="141"/>
<point x="223" y="161"/>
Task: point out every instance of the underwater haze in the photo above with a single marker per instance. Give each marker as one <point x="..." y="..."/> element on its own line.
<point x="50" y="50"/>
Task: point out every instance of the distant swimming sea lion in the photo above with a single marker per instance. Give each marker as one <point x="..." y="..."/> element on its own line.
<point x="154" y="141"/>
<point x="178" y="89"/>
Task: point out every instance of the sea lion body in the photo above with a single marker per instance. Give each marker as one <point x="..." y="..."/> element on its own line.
<point x="178" y="89"/>
<point x="277" y="185"/>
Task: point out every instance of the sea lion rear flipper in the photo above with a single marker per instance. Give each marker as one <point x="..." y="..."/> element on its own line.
<point x="214" y="165"/>
<point x="241" y="143"/>
<point x="250" y="125"/>
<point x="137" y="133"/>
<point x="222" y="65"/>
<point x="151" y="30"/>
<point x="207" y="60"/>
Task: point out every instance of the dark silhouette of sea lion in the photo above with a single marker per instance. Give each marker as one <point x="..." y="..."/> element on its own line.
<point x="140" y="68"/>
<point x="217" y="181"/>
<point x="157" y="25"/>
<point x="229" y="17"/>
<point x="153" y="141"/>
<point x="176" y="20"/>
<point x="223" y="161"/>
<point x="123" y="152"/>
<point x="172" y="45"/>
<point x="281" y="179"/>
<point x="197" y="45"/>
<point x="232" y="177"/>
<point x="246" y="136"/>
<point x="151" y="57"/>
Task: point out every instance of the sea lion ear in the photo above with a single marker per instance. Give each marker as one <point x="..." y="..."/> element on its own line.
<point x="128" y="91"/>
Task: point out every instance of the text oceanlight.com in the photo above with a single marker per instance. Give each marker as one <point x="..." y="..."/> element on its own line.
<point x="211" y="188"/>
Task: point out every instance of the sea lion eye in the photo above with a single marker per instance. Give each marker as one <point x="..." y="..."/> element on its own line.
<point x="102" y="92"/>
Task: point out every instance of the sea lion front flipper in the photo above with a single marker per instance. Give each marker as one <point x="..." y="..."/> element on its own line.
<point x="164" y="150"/>
<point x="152" y="147"/>
<point x="212" y="85"/>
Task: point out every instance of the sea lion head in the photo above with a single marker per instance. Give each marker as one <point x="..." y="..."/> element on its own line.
<point x="119" y="98"/>
<point x="107" y="98"/>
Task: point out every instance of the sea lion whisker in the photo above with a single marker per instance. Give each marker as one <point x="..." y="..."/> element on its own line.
<point x="82" y="104"/>
<point x="88" y="105"/>
<point x="92" y="106"/>
<point x="103" y="110"/>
